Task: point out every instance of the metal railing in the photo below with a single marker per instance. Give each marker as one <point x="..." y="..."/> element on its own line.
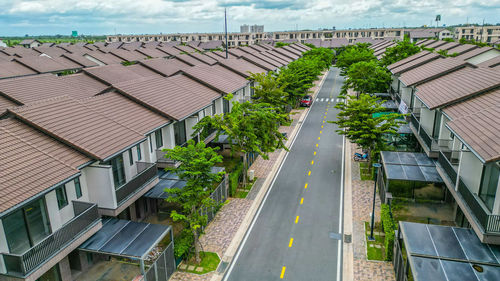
<point x="145" y="172"/>
<point x="414" y="121"/>
<point x="164" y="162"/>
<point x="425" y="137"/>
<point x="489" y="222"/>
<point x="447" y="167"/>
<point x="219" y="195"/>
<point x="86" y="215"/>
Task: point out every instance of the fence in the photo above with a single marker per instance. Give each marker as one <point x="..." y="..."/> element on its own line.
<point x="146" y="172"/>
<point x="219" y="195"/>
<point x="400" y="266"/>
<point x="163" y="267"/>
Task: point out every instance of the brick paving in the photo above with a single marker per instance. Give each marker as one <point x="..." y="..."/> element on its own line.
<point x="362" y="200"/>
<point x="220" y="232"/>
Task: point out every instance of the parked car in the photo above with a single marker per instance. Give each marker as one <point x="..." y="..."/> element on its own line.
<point x="306" y="101"/>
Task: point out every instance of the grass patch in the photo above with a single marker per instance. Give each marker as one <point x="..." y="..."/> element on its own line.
<point x="209" y="262"/>
<point x="364" y="171"/>
<point x="374" y="253"/>
<point x="241" y="194"/>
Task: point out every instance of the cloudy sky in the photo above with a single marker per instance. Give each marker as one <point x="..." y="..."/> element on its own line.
<point x="36" y="17"/>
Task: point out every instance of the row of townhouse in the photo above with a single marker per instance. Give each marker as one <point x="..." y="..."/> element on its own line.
<point x="486" y="34"/>
<point x="454" y="109"/>
<point x="81" y="153"/>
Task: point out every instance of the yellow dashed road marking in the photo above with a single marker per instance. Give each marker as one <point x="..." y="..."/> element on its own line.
<point x="319" y="138"/>
<point x="309" y="173"/>
<point x="322" y="126"/>
<point x="297" y="219"/>
<point x="314" y="152"/>
<point x="312" y="162"/>
<point x="290" y="243"/>
<point x="317" y="145"/>
<point x="321" y="131"/>
<point x="283" y="272"/>
<point x="305" y="186"/>
<point x="301" y="200"/>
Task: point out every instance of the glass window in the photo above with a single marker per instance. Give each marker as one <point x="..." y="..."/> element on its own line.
<point x="26" y="227"/>
<point x="130" y="157"/>
<point x="158" y="139"/>
<point x="180" y="132"/>
<point x="62" y="197"/>
<point x="213" y="108"/>
<point x="225" y="106"/>
<point x="78" y="188"/>
<point x="118" y="171"/>
<point x="139" y="154"/>
<point x="489" y="184"/>
<point x="150" y="137"/>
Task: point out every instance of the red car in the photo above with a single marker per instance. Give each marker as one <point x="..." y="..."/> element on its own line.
<point x="306" y="101"/>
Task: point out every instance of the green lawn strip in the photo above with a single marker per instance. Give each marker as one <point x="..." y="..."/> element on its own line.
<point x="241" y="194"/>
<point x="364" y="171"/>
<point x="374" y="253"/>
<point x="209" y="262"/>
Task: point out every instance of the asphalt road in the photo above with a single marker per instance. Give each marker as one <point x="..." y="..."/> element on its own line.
<point x="296" y="235"/>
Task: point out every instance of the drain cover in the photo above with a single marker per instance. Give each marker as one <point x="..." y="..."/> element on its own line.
<point x="347" y="238"/>
<point x="336" y="236"/>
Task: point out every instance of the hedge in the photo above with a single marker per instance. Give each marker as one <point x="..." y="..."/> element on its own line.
<point x="389" y="230"/>
<point x="234" y="178"/>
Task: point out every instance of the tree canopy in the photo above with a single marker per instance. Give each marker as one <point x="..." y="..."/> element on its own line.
<point x="401" y="50"/>
<point x="268" y="90"/>
<point x="353" y="54"/>
<point x="367" y="77"/>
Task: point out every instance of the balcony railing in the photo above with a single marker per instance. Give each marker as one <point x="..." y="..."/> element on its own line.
<point x="86" y="215"/>
<point x="145" y="172"/>
<point x="489" y="222"/>
<point x="447" y="166"/>
<point x="163" y="162"/>
<point x="414" y="121"/>
<point x="425" y="137"/>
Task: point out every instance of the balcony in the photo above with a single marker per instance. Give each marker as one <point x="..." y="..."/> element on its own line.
<point x="490" y="223"/>
<point x="86" y="216"/>
<point x="447" y="166"/>
<point x="163" y="162"/>
<point x="145" y="173"/>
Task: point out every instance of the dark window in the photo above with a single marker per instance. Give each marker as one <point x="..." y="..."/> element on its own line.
<point x="489" y="184"/>
<point x="180" y="132"/>
<point x="150" y="137"/>
<point x="130" y="157"/>
<point x="158" y="138"/>
<point x="139" y="155"/>
<point x="213" y="108"/>
<point x="62" y="197"/>
<point x="118" y="170"/>
<point x="78" y="188"/>
<point x="225" y="106"/>
<point x="26" y="227"/>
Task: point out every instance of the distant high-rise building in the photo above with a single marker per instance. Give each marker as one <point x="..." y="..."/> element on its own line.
<point x="256" y="28"/>
<point x="244" y="28"/>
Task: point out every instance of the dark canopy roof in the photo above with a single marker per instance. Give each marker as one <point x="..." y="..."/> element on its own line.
<point x="409" y="166"/>
<point x="125" y="238"/>
<point x="449" y="253"/>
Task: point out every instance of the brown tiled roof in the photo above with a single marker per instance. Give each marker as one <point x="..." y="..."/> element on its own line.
<point x="45" y="143"/>
<point x="480" y="132"/>
<point x="491" y="62"/>
<point x="187" y="49"/>
<point x="217" y="77"/>
<point x="83" y="85"/>
<point x="259" y="62"/>
<point x="21" y="51"/>
<point x="113" y="45"/>
<point x="292" y="50"/>
<point x="114" y="73"/>
<point x="222" y="54"/>
<point x="415" y="63"/>
<point x="169" y="96"/>
<point x="210" y="45"/>
<point x="77" y="125"/>
<point x="267" y="59"/>
<point x="126" y="112"/>
<point x="431" y="70"/>
<point x="436" y="44"/>
<point x="79" y="59"/>
<point x="29" y="89"/>
<point x="125" y="55"/>
<point x="473" y="105"/>
<point x="241" y="66"/>
<point x="408" y="59"/>
<point x="462" y="48"/>
<point x="13" y="69"/>
<point x="104" y="58"/>
<point x="473" y="53"/>
<point x="166" y="67"/>
<point x="50" y="51"/>
<point x="43" y="64"/>
<point x="169" y="50"/>
<point x="132" y="45"/>
<point x="447" y="46"/>
<point x="142" y="70"/>
<point x="201" y="57"/>
<point x="237" y="52"/>
<point x="26" y="170"/>
<point x="212" y="55"/>
<point x="258" y="48"/>
<point x="248" y="50"/>
<point x="151" y="52"/>
<point x="457" y="85"/>
<point x="426" y="43"/>
<point x="286" y="53"/>
<point x="276" y="57"/>
<point x="6" y="103"/>
<point x="188" y="59"/>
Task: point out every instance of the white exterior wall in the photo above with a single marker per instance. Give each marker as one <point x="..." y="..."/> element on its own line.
<point x="100" y="185"/>
<point x="59" y="217"/>
<point x="190" y="122"/>
<point x="218" y="105"/>
<point x="484" y="57"/>
<point x="395" y="81"/>
<point x="470" y="170"/>
<point x="3" y="247"/>
<point x="496" y="205"/>
<point x="406" y="95"/>
<point x="168" y="136"/>
<point x="427" y="119"/>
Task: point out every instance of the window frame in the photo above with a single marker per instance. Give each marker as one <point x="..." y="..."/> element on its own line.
<point x="139" y="152"/>
<point x="78" y="191"/>
<point x="158" y="139"/>
<point x="60" y="204"/>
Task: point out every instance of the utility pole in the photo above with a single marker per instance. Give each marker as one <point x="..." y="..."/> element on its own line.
<point x="225" y="28"/>
<point x="482" y="31"/>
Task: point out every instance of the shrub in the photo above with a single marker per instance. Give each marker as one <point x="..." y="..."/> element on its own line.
<point x="234" y="178"/>
<point x="183" y="244"/>
<point x="389" y="228"/>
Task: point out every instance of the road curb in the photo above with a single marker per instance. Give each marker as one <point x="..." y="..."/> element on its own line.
<point x="348" y="249"/>
<point x="249" y="217"/>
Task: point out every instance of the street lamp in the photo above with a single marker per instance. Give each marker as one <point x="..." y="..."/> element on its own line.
<point x="376" y="166"/>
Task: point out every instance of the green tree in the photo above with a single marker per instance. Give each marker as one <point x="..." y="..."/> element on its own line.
<point x="357" y="121"/>
<point x="250" y="127"/>
<point x="281" y="44"/>
<point x="196" y="162"/>
<point x="401" y="50"/>
<point x="366" y="77"/>
<point x="353" y="54"/>
<point x="268" y="90"/>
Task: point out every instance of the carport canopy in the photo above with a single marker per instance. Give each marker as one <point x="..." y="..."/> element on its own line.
<point x="410" y="166"/>
<point x="125" y="238"/>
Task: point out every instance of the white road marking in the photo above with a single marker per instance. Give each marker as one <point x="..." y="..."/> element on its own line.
<point x="317" y="99"/>
<point x="321" y="100"/>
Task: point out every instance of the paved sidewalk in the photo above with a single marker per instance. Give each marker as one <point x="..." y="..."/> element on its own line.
<point x="221" y="231"/>
<point x="362" y="195"/>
